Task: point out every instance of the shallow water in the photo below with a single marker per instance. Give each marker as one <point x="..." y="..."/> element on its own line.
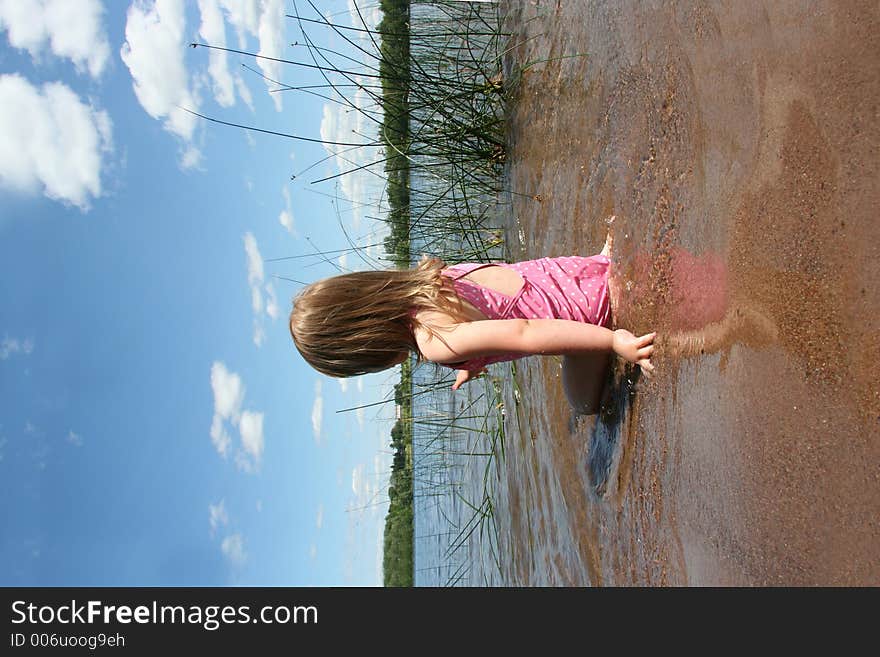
<point x="737" y="147"/>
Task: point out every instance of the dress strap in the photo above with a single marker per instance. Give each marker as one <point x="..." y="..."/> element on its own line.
<point x="511" y="301"/>
<point x="465" y="268"/>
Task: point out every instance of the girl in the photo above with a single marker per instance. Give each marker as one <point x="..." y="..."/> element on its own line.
<point x="467" y="316"/>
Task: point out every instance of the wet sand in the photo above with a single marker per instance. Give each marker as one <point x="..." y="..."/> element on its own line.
<point x="737" y="145"/>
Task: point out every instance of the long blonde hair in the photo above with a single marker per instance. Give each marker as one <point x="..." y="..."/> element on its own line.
<point x="362" y="322"/>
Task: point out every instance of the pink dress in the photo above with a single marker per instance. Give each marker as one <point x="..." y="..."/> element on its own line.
<point x="573" y="287"/>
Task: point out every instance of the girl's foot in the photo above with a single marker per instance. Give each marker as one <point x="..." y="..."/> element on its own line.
<point x="609" y="238"/>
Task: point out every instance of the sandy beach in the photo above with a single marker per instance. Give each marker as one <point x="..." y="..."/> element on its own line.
<point x="737" y="146"/>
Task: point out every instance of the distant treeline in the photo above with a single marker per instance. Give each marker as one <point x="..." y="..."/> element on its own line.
<point x="442" y="120"/>
<point x="395" y="131"/>
<point x="398" y="558"/>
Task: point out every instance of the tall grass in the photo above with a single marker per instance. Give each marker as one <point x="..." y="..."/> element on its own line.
<point x="428" y="85"/>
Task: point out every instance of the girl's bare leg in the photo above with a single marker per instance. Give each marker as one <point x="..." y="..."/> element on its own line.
<point x="583" y="377"/>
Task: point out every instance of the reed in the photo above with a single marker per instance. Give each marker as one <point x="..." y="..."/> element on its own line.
<point x="429" y="84"/>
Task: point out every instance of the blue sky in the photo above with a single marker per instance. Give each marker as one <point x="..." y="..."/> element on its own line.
<point x="157" y="426"/>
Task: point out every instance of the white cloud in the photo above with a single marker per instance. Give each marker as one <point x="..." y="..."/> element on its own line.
<point x="153" y="52"/>
<point x="256" y="276"/>
<point x="228" y="392"/>
<point x="244" y="16"/>
<point x="217" y="516"/>
<point x="228" y="399"/>
<point x="319" y="517"/>
<point x="379" y="465"/>
<point x="286" y="216"/>
<point x="259" y="333"/>
<point x="71" y="30"/>
<point x="51" y="141"/>
<point x="271" y="301"/>
<point x="261" y="19"/>
<point x="74" y="439"/>
<point x="10" y="346"/>
<point x="255" y="261"/>
<point x="228" y="396"/>
<point x="357" y="480"/>
<point x="313" y="551"/>
<point x="233" y="549"/>
<point x="256" y="300"/>
<point x="191" y="158"/>
<point x="219" y="436"/>
<point x="342" y="124"/>
<point x="245" y="94"/>
<point x="371" y="15"/>
<point x="271" y="35"/>
<point x="365" y="486"/>
<point x="213" y="31"/>
<point x="343" y="384"/>
<point x="317" y="412"/>
<point x="251" y="428"/>
<point x="359" y="414"/>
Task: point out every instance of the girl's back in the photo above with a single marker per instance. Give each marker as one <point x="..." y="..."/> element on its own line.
<point x="574" y="288"/>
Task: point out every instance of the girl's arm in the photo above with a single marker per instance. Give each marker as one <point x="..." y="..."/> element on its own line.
<point x="468" y="340"/>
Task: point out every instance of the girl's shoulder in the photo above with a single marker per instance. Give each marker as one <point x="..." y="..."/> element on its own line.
<point x="427" y="322"/>
<point x="425" y="317"/>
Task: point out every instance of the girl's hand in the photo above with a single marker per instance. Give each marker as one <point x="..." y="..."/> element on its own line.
<point x="464" y="376"/>
<point x="635" y="349"/>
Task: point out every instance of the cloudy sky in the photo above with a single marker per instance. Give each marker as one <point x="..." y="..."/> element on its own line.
<point x="157" y="427"/>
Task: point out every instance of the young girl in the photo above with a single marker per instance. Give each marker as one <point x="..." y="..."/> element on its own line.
<point x="467" y="316"/>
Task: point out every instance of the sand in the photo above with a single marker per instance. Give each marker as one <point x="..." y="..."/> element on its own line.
<point x="737" y="145"/>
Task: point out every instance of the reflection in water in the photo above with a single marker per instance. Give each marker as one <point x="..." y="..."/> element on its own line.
<point x="697" y="313"/>
<point x="616" y="403"/>
<point x="687" y="292"/>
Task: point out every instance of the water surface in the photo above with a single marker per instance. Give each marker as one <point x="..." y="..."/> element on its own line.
<point x="737" y="146"/>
